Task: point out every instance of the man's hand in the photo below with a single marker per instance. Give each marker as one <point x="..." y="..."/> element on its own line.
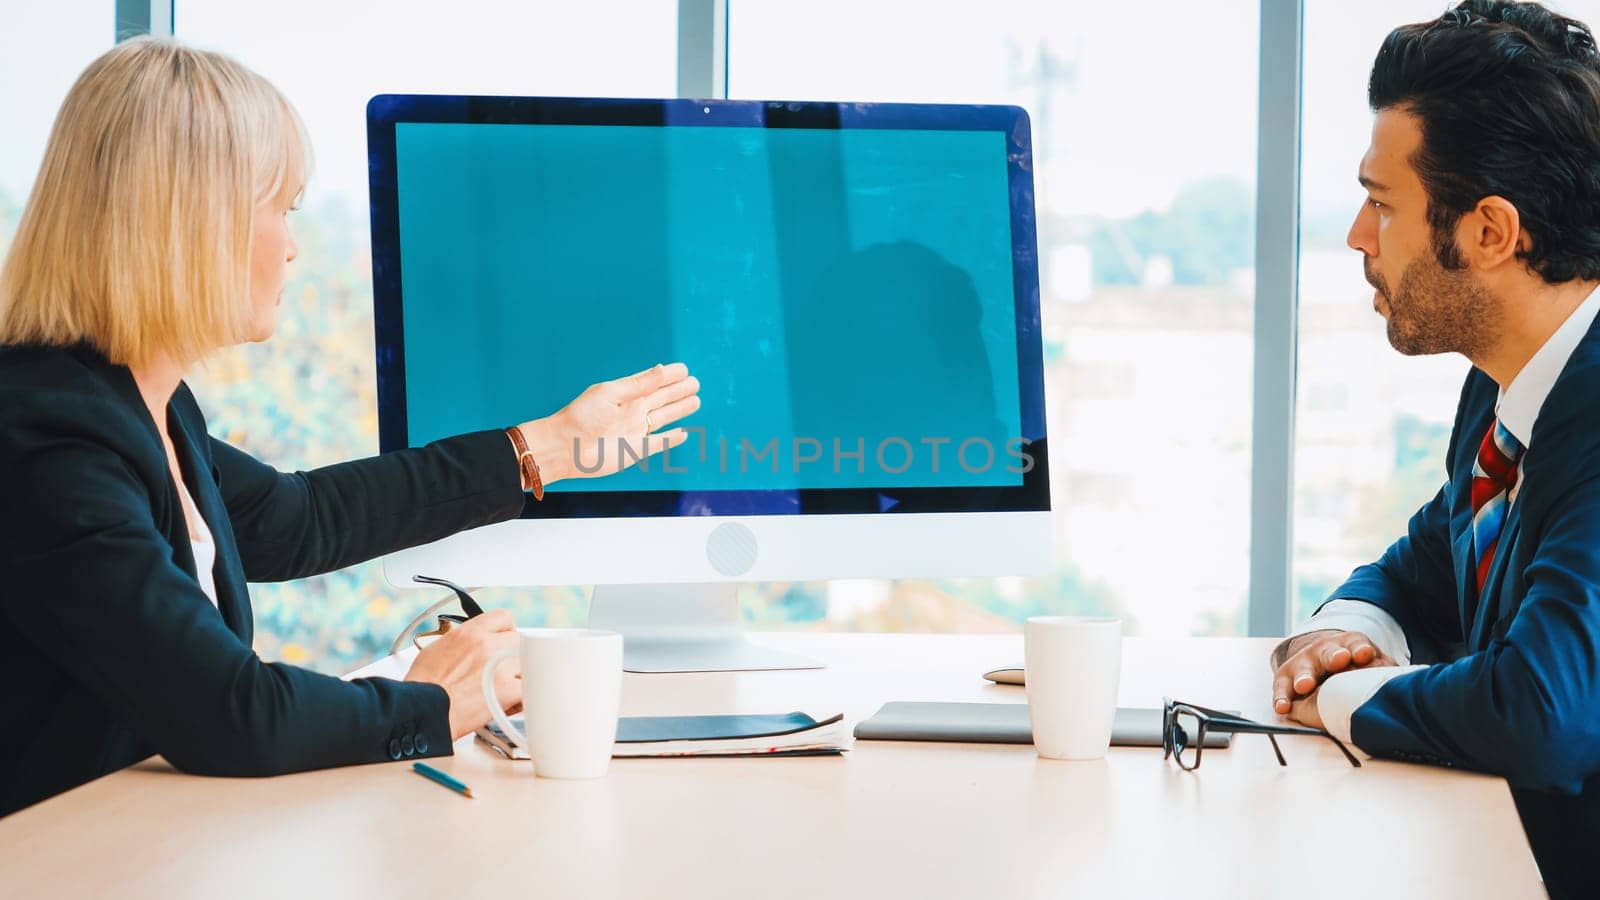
<point x="1305" y="711"/>
<point x="1312" y="659"/>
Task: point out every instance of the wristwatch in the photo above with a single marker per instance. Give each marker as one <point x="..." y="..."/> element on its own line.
<point x="526" y="462"/>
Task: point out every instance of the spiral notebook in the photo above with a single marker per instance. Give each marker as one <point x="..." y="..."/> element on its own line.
<point x="789" y="734"/>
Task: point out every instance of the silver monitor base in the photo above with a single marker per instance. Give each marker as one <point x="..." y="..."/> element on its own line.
<point x="683" y="628"/>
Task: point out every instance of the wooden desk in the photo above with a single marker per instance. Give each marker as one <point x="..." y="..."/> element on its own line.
<point x="887" y="819"/>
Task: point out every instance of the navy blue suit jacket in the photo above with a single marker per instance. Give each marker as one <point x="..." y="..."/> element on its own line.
<point x="110" y="652"/>
<point x="1516" y="688"/>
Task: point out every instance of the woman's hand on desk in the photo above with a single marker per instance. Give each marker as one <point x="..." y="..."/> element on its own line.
<point x="582" y="440"/>
<point x="455" y="662"/>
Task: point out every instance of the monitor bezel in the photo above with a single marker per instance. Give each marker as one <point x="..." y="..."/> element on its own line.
<point x="384" y="111"/>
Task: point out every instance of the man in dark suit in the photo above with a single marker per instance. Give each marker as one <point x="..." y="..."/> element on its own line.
<point x="1475" y="640"/>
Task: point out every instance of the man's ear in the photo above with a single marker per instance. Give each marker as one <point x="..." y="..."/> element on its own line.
<point x="1491" y="234"/>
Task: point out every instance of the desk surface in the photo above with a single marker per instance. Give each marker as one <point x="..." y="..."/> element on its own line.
<point x="891" y="819"/>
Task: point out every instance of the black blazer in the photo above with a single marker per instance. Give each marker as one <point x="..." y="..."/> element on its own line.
<point x="109" y="650"/>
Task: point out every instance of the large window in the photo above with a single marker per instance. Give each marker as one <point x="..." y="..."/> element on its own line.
<point x="1144" y="130"/>
<point x="44" y="44"/>
<point x="307" y="397"/>
<point x="1144" y="153"/>
<point x="1371" y="424"/>
<point x="1144" y="159"/>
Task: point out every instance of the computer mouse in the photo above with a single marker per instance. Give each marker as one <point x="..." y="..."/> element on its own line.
<point x="1007" y="675"/>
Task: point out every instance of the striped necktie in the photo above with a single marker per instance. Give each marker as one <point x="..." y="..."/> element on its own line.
<point x="1493" y="475"/>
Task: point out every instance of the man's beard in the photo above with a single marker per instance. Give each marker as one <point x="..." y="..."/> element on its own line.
<point x="1437" y="310"/>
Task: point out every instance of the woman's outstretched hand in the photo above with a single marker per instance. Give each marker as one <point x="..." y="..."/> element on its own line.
<point x="585" y="439"/>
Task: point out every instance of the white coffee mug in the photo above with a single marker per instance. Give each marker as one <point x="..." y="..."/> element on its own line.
<point x="571" y="691"/>
<point x="1072" y="665"/>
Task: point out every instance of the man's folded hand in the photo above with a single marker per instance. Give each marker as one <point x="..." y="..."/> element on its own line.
<point x="1313" y="658"/>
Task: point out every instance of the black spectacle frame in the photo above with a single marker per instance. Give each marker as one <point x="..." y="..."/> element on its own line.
<point x="1176" y="740"/>
<point x="468" y="605"/>
<point x="445" y="621"/>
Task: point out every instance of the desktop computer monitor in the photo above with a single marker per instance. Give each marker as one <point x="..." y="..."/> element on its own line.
<point x="855" y="285"/>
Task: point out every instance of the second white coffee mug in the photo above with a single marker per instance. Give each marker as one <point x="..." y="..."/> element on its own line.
<point x="571" y="693"/>
<point x="1073" y="665"/>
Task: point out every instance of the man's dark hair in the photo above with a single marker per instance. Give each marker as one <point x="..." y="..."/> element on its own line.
<point x="1508" y="96"/>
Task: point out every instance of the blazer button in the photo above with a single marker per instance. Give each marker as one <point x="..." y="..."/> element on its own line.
<point x="422" y="744"/>
<point x="394" y="748"/>
<point x="407" y="747"/>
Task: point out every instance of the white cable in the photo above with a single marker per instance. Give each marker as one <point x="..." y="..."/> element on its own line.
<point x="405" y="634"/>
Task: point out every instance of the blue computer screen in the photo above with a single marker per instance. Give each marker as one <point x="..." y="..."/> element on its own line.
<point x="837" y="292"/>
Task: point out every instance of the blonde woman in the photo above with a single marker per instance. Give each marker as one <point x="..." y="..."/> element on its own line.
<point x="155" y="234"/>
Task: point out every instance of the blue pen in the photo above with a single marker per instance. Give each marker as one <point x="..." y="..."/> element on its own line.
<point x="435" y="775"/>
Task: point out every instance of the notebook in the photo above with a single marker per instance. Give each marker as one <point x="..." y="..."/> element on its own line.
<point x="790" y="734"/>
<point x="999" y="723"/>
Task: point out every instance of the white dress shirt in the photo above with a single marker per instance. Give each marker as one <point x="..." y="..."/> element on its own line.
<point x="1517" y="408"/>
<point x="205" y="548"/>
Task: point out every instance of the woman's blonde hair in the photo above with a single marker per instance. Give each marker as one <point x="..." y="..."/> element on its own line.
<point x="136" y="237"/>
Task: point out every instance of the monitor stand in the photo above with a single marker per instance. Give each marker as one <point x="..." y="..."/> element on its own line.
<point x="683" y="628"/>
